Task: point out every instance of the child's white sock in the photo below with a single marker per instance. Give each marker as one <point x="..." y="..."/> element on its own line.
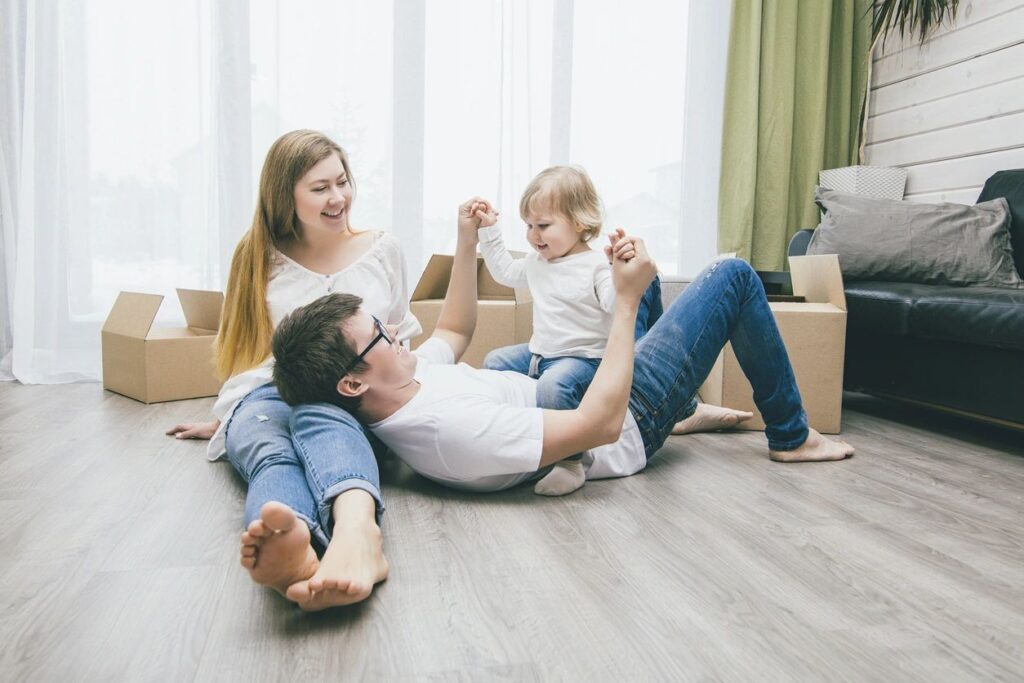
<point x="565" y="477"/>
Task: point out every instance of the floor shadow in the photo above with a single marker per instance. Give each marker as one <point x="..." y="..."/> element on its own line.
<point x="950" y="425"/>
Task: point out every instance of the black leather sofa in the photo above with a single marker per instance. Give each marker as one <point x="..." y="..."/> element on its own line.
<point x="954" y="348"/>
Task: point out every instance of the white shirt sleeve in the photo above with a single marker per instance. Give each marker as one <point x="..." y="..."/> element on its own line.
<point x="604" y="287"/>
<point x="504" y="269"/>
<point x="436" y="350"/>
<point x="498" y="440"/>
<point x="398" y="276"/>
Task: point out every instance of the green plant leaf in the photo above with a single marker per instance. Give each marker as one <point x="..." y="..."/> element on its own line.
<point x="911" y="16"/>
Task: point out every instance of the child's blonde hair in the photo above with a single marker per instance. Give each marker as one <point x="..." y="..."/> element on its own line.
<point x="568" y="191"/>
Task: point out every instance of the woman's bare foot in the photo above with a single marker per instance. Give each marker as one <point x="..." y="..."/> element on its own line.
<point x="354" y="561"/>
<point x="276" y="549"/>
<point x="709" y="418"/>
<point x="353" y="564"/>
<point x="816" y="449"/>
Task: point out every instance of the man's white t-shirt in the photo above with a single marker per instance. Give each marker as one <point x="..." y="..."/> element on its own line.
<point x="481" y="430"/>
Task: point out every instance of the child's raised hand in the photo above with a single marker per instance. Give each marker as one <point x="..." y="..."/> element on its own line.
<point x="476" y="213"/>
<point x="619" y="247"/>
<point x="487" y="215"/>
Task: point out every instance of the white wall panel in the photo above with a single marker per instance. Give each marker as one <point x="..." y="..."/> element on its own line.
<point x="992" y="135"/>
<point x="967" y="107"/>
<point x="968" y="195"/>
<point x="984" y="70"/>
<point x="956" y="174"/>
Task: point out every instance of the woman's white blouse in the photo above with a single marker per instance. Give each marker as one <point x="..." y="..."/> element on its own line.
<point x="378" y="276"/>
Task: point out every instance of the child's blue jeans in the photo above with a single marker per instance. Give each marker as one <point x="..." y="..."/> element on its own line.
<point x="563" y="380"/>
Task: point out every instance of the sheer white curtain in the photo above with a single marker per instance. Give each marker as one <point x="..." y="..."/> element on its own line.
<point x="132" y="134"/>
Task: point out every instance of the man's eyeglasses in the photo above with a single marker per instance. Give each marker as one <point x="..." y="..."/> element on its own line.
<point x="382" y="333"/>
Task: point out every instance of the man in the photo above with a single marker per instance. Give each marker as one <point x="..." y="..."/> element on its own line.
<point x="481" y="430"/>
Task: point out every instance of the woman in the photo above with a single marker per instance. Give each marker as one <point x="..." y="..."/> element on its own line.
<point x="311" y="472"/>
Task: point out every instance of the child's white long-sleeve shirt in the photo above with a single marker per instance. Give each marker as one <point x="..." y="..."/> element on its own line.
<point x="573" y="296"/>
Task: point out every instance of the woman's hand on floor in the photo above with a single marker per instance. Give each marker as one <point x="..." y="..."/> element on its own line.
<point x="194" y="430"/>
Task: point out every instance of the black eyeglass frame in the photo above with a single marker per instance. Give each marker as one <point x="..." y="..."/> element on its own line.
<point x="382" y="333"/>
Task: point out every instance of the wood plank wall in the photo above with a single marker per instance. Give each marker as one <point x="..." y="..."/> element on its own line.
<point x="951" y="110"/>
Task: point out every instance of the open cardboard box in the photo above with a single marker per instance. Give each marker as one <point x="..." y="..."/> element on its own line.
<point x="504" y="315"/>
<point x="164" y="363"/>
<point x="814" y="333"/>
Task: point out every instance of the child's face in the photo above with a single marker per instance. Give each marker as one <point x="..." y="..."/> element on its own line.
<point x="552" y="234"/>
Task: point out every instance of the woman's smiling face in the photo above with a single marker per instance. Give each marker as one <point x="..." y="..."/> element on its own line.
<point x="323" y="197"/>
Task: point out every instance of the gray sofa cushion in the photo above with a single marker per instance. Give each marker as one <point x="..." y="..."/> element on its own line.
<point x="884" y="239"/>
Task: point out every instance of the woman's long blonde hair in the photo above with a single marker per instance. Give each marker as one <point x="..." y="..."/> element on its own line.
<point x="243" y="341"/>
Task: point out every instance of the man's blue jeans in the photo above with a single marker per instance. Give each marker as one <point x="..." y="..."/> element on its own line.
<point x="303" y="457"/>
<point x="725" y="303"/>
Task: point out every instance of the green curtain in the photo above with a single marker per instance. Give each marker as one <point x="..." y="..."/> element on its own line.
<point x="795" y="85"/>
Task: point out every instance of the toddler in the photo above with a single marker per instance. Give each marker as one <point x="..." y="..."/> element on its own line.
<point x="573" y="297"/>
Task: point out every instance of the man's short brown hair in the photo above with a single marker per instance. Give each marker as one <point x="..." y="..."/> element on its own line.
<point x="312" y="352"/>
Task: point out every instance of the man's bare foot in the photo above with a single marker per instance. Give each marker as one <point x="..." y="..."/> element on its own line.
<point x="709" y="418"/>
<point x="353" y="564"/>
<point x="816" y="449"/>
<point x="276" y="549"/>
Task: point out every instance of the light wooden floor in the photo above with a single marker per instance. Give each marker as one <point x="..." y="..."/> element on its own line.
<point x="118" y="562"/>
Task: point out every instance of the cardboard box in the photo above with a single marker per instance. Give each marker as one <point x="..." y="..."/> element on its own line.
<point x="815" y="337"/>
<point x="504" y="315"/>
<point x="165" y="363"/>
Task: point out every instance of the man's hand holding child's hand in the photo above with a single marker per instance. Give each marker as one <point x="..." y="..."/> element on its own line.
<point x="633" y="269"/>
<point x="474" y="214"/>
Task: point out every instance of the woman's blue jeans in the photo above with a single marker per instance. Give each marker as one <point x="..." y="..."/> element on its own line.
<point x="725" y="303"/>
<point x="303" y="457"/>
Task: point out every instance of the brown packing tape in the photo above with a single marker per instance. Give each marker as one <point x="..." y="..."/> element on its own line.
<point x="132" y="314"/>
